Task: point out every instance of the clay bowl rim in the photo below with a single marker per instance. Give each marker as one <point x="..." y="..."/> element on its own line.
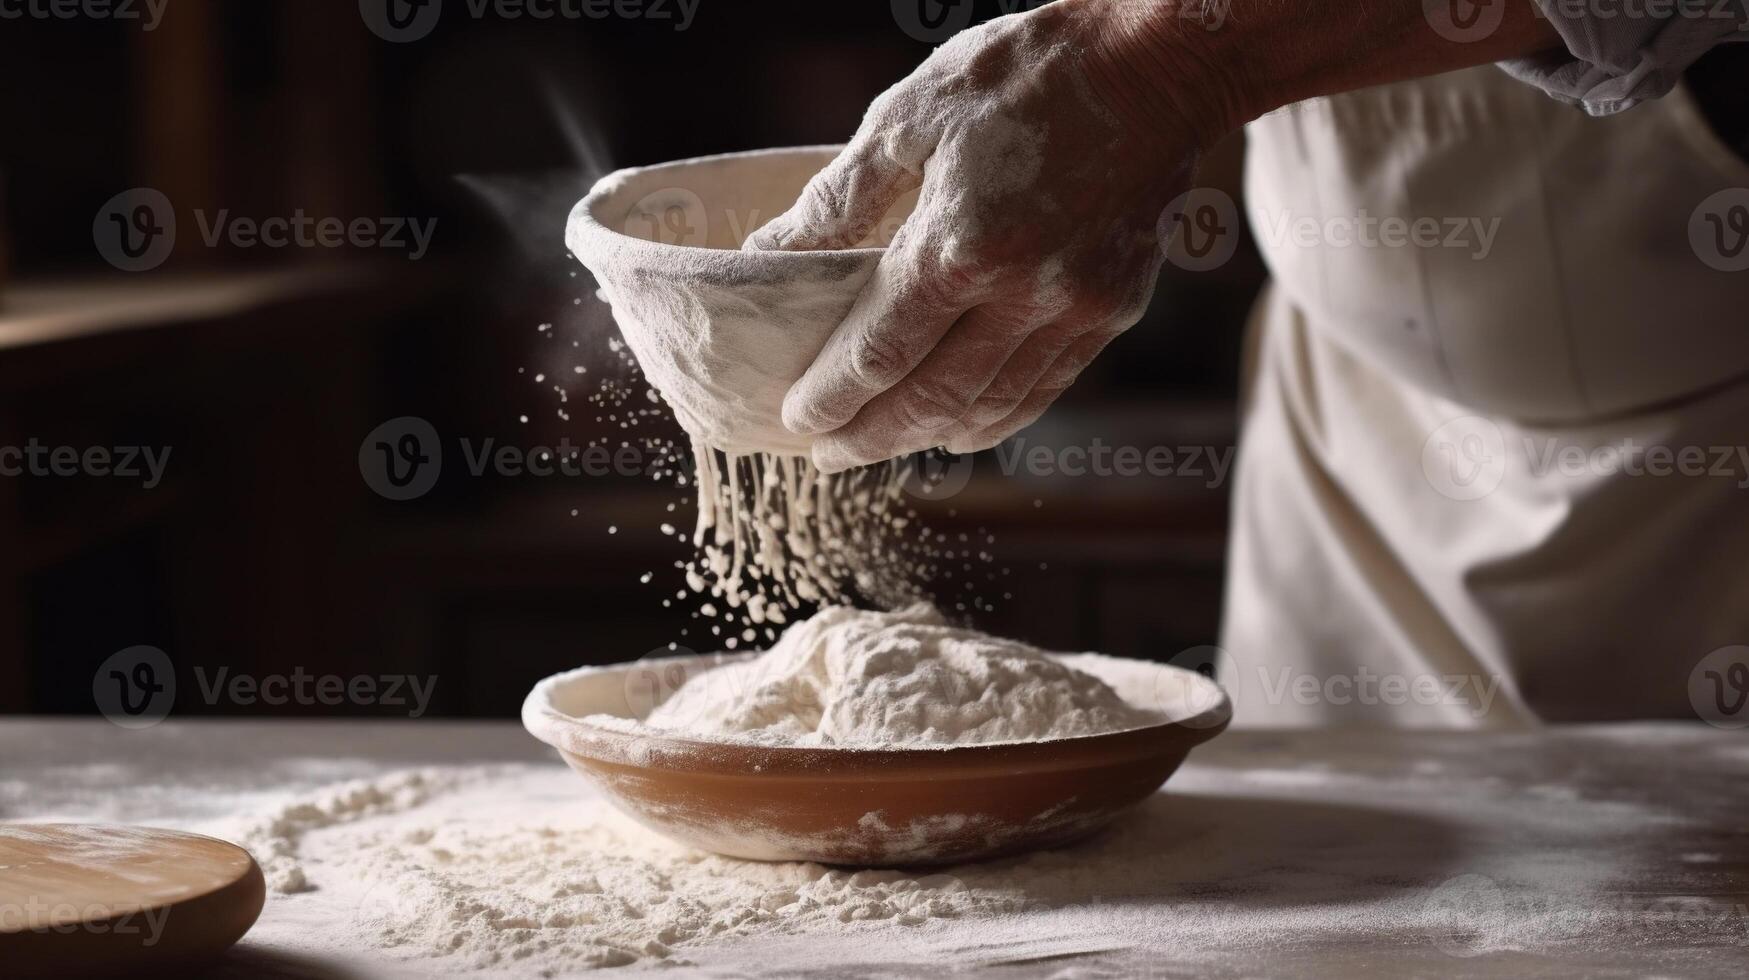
<point x="587" y="234"/>
<point x="573" y="735"/>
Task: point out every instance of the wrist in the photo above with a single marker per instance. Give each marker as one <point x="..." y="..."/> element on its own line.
<point x="1222" y="63"/>
<point x="1160" y="67"/>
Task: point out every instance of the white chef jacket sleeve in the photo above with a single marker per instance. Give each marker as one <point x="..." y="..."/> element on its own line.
<point x="1623" y="52"/>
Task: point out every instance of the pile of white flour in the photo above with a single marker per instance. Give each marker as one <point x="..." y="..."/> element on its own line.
<point x="852" y="677"/>
<point x="516" y="872"/>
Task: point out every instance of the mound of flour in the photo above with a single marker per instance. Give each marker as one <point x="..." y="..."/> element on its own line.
<point x="853" y="677"/>
<point x="510" y="873"/>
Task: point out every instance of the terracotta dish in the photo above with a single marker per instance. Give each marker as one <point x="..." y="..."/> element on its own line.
<point x="867" y="807"/>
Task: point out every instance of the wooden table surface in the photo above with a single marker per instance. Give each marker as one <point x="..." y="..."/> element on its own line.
<point x="1595" y="851"/>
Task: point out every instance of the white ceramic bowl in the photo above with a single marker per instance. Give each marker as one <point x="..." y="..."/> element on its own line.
<point x="722" y="333"/>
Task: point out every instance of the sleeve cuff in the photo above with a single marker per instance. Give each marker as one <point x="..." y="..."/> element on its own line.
<point x="1623" y="52"/>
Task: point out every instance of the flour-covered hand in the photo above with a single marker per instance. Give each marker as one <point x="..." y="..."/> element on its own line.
<point x="1044" y="148"/>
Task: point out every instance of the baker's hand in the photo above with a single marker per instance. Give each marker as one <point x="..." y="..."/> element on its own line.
<point x="1046" y="146"/>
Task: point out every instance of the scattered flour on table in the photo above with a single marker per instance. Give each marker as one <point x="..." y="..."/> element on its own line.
<point x="501" y="867"/>
<point x="523" y="871"/>
<point x="275" y="838"/>
<point x="854" y="677"/>
<point x="511" y="869"/>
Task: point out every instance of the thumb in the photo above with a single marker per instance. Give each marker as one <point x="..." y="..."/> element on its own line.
<point x="844" y="203"/>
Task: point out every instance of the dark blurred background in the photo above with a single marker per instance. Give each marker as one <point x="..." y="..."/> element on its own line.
<point x="262" y="369"/>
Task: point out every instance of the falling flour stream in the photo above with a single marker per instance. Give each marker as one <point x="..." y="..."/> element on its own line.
<point x="722" y="334"/>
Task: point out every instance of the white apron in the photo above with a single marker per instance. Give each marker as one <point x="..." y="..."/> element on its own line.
<point x="1436" y="480"/>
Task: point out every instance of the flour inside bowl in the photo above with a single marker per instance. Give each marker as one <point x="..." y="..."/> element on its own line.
<point x="850" y="677"/>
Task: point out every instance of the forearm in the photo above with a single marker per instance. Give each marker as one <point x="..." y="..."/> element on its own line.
<point x="1214" y="69"/>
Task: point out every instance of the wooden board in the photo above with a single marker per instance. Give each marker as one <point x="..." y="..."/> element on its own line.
<point x="96" y="899"/>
